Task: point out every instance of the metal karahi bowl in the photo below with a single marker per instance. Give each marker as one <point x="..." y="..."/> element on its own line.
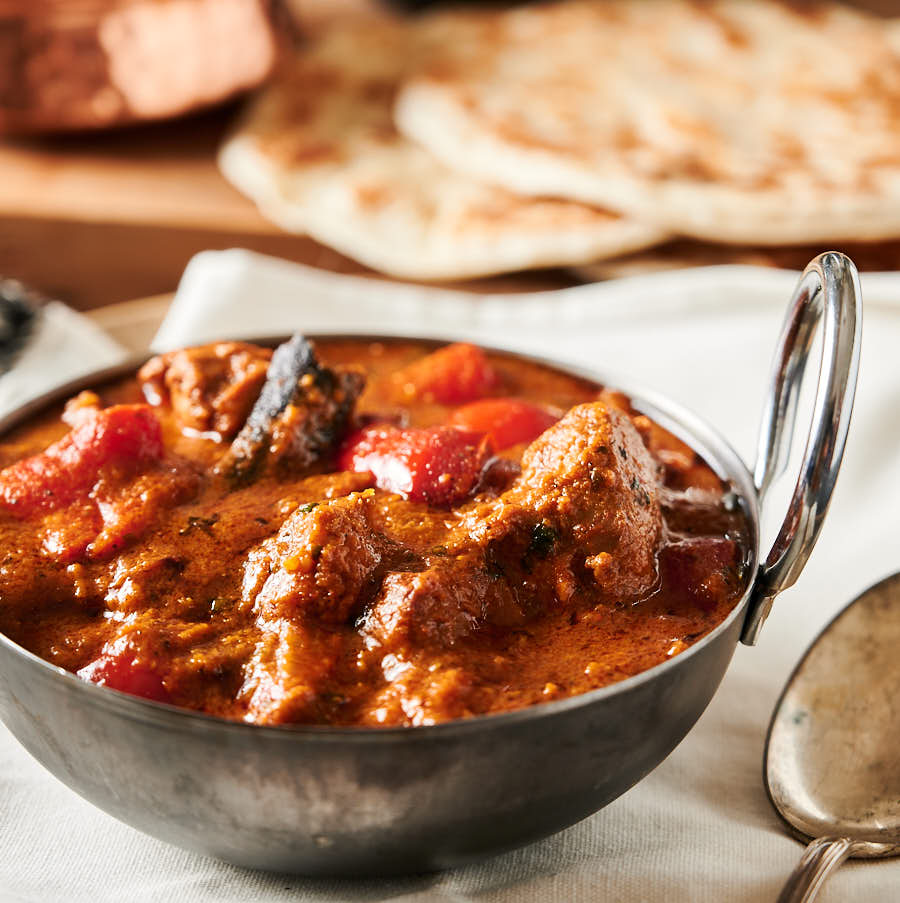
<point x="352" y="801"/>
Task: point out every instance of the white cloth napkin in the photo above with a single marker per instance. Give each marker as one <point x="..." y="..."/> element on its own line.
<point x="64" y="346"/>
<point x="700" y="827"/>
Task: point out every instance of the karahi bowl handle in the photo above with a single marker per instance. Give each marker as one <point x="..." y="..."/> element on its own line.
<point x="828" y="293"/>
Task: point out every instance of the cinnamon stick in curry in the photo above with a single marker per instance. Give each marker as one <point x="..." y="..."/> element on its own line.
<point x="300" y="413"/>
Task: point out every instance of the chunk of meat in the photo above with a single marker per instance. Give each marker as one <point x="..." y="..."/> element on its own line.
<point x="588" y="493"/>
<point x="417" y="695"/>
<point x="285" y="676"/>
<point x="299" y="416"/>
<point x="451" y="375"/>
<point x="321" y="565"/>
<point x="211" y="388"/>
<point x="140" y="580"/>
<point x="439" y="465"/>
<point x="122" y="437"/>
<point x="439" y="606"/>
<point x="507" y="421"/>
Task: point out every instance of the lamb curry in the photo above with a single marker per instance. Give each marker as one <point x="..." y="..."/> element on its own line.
<point x="359" y="533"/>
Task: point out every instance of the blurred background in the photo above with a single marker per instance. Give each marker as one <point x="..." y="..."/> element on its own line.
<point x="111" y="116"/>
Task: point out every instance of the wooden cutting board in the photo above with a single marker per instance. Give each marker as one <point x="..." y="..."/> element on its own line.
<point x="98" y="218"/>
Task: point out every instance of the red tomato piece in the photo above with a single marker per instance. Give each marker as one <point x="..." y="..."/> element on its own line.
<point x="120" y="435"/>
<point x="508" y="421"/>
<point x="119" y="668"/>
<point x="439" y="465"/>
<point x="450" y="375"/>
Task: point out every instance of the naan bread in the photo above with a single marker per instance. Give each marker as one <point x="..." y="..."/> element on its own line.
<point x="319" y="154"/>
<point x="735" y="121"/>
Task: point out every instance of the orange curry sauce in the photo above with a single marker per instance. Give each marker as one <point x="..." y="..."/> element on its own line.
<point x="416" y="536"/>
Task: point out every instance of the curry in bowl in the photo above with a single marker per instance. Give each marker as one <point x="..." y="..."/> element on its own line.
<point x="359" y="533"/>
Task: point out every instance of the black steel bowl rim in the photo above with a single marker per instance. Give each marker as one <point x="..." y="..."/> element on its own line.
<point x="702" y="438"/>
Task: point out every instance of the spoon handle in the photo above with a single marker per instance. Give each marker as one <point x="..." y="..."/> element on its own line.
<point x="819" y="860"/>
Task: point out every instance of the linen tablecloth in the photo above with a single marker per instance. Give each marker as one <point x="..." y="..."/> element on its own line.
<point x="700" y="826"/>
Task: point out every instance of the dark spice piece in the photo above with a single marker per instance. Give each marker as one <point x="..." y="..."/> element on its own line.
<point x="300" y="414"/>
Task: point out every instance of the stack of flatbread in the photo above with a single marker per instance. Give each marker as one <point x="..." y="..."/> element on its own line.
<point x="470" y="143"/>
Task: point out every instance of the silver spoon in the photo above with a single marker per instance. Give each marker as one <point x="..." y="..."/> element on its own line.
<point x="832" y="761"/>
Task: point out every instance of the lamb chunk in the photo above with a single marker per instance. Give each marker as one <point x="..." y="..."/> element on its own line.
<point x="211" y="388"/>
<point x="316" y="571"/>
<point x="595" y="482"/>
<point x="587" y="501"/>
<point x="285" y="674"/>
<point x="439" y="606"/>
<point x="420" y="695"/>
<point x="299" y="417"/>
<point x="320" y="565"/>
<point x="139" y="580"/>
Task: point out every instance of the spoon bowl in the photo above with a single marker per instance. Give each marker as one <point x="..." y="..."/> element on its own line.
<point x="831" y="766"/>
